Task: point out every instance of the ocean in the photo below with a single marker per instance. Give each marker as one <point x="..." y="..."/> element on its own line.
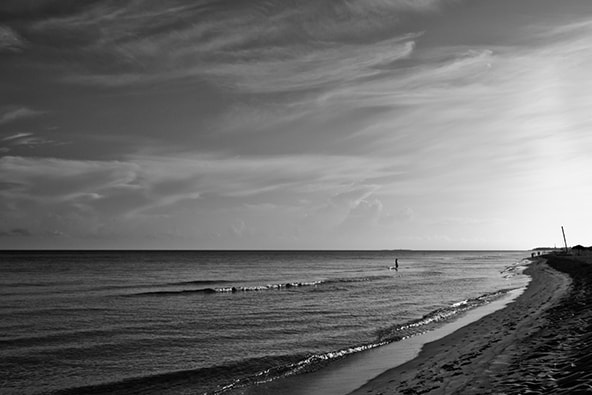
<point x="213" y="321"/>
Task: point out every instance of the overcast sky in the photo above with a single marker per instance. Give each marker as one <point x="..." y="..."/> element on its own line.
<point x="290" y="124"/>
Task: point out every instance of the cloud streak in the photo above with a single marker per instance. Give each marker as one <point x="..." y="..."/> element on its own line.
<point x="10" y="114"/>
<point x="10" y="40"/>
<point x="144" y="42"/>
<point x="162" y="180"/>
<point x="106" y="193"/>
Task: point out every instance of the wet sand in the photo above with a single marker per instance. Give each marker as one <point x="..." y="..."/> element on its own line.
<point x="541" y="343"/>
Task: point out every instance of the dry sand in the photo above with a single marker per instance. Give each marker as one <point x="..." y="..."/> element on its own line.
<point x="539" y="344"/>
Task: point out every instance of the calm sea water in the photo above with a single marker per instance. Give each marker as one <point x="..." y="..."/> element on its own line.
<point x="205" y="322"/>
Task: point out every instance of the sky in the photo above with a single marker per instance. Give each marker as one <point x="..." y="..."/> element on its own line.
<point x="309" y="124"/>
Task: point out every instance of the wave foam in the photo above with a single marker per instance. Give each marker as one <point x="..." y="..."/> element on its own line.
<point x="256" y="288"/>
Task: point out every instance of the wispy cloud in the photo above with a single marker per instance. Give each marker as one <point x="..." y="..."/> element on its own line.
<point x="17" y="136"/>
<point x="10" y="40"/>
<point x="13" y="113"/>
<point x="147" y="183"/>
<point x="146" y="42"/>
<point x="55" y="179"/>
<point x="29" y="140"/>
<point x="317" y="68"/>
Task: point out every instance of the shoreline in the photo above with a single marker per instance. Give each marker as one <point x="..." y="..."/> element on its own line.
<point x="539" y="343"/>
<point x="345" y="375"/>
<point x="342" y="376"/>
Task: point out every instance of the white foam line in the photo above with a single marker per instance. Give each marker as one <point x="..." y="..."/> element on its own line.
<point x="346" y="375"/>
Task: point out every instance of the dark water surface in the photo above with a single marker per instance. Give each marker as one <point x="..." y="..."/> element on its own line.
<point x="203" y="321"/>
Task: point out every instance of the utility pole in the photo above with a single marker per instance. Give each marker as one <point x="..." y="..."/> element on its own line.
<point x="564" y="240"/>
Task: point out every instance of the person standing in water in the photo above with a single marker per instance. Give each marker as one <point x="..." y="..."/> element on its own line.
<point x="396" y="267"/>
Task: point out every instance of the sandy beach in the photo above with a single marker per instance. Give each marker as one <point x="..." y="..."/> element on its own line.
<point x="540" y="343"/>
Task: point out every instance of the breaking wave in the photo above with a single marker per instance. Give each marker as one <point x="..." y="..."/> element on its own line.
<point x="255" y="288"/>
